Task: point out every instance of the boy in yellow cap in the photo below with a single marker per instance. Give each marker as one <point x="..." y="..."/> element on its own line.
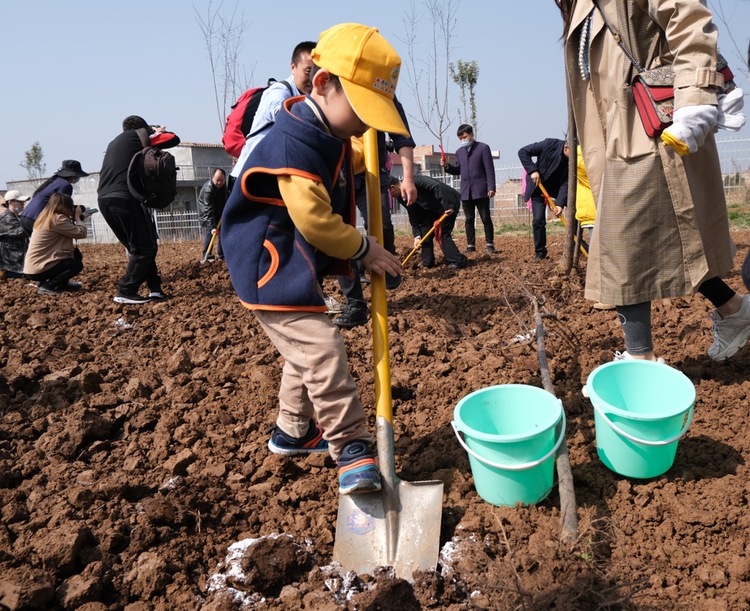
<point x="292" y="222"/>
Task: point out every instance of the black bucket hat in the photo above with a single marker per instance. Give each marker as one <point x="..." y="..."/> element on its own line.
<point x="70" y="168"/>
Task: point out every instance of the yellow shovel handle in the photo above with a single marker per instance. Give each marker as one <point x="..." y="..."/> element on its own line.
<point x="551" y="204"/>
<point x="424" y="237"/>
<point x="379" y="307"/>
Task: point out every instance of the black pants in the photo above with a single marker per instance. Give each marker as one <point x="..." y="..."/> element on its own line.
<point x="539" y="225"/>
<point x="470" y="207"/>
<point x="352" y="287"/>
<point x="389" y="235"/>
<point x="58" y="275"/>
<point x="134" y="228"/>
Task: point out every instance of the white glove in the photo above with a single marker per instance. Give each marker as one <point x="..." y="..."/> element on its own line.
<point x="690" y="126"/>
<point x="730" y="105"/>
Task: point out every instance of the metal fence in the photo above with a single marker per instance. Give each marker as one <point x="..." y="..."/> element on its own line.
<point x="508" y="209"/>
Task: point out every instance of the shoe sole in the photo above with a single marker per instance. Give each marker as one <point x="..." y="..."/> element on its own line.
<point x="361" y="487"/>
<point x="293" y="451"/>
<point x="734" y="347"/>
<point x="127" y="301"/>
<point x="349" y="325"/>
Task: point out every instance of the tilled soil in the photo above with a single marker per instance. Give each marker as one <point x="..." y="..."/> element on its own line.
<point x="134" y="471"/>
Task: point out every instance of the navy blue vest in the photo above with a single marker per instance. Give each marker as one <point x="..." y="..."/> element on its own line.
<point x="272" y="267"/>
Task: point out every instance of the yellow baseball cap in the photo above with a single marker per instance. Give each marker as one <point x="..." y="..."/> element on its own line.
<point x="368" y="67"/>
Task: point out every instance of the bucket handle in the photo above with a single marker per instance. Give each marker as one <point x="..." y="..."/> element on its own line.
<point x="647" y="442"/>
<point x="517" y="467"/>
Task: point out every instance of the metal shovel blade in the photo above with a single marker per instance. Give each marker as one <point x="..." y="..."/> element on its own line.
<point x="398" y="526"/>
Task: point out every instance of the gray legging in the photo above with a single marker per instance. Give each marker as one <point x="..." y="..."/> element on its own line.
<point x="636" y="319"/>
<point x="636" y="325"/>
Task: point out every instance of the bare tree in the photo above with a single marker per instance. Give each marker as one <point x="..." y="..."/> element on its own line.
<point x="428" y="73"/>
<point x="223" y="35"/>
<point x="33" y="162"/>
<point x="466" y="75"/>
<point x="741" y="52"/>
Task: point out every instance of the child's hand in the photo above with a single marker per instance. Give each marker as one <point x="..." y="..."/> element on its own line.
<point x="379" y="260"/>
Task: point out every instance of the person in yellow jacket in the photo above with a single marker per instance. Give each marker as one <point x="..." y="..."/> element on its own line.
<point x="586" y="209"/>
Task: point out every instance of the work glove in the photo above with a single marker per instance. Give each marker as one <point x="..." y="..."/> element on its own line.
<point x="730" y="105"/>
<point x="690" y="126"/>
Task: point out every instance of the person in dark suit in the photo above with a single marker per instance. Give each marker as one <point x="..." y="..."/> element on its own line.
<point x="434" y="198"/>
<point x="474" y="165"/>
<point x="551" y="169"/>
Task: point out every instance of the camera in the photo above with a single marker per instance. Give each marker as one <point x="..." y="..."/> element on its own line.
<point x="389" y="146"/>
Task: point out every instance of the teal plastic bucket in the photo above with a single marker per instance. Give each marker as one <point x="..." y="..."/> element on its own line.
<point x="641" y="410"/>
<point x="509" y="432"/>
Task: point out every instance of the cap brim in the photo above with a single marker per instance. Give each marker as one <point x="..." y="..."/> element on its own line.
<point x="375" y="110"/>
<point x="71" y="174"/>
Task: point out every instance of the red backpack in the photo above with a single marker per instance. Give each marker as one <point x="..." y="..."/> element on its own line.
<point x="240" y="119"/>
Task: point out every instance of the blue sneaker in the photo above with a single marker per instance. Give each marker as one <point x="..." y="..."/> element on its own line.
<point x="311" y="443"/>
<point x="358" y="471"/>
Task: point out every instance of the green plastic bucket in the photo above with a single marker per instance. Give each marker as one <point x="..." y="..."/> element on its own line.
<point x="509" y="432"/>
<point x="641" y="410"/>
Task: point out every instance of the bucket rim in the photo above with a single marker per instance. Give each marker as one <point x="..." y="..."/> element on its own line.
<point x="498" y="437"/>
<point x="608" y="408"/>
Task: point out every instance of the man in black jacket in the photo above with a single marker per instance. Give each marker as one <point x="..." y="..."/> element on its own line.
<point x="211" y="201"/>
<point x="551" y="169"/>
<point x="434" y="198"/>
<point x="131" y="222"/>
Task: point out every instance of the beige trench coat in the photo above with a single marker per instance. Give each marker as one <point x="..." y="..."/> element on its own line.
<point x="662" y="226"/>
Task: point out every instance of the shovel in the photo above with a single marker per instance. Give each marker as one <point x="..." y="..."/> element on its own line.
<point x="400" y="525"/>
<point x="211" y="244"/>
<point x="554" y="209"/>
<point x="427" y="235"/>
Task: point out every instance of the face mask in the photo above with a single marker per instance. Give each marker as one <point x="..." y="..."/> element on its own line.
<point x="467" y="143"/>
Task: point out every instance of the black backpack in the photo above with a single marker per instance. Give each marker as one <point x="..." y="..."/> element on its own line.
<point x="152" y="175"/>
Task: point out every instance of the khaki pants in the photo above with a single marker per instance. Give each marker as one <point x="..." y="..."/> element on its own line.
<point x="315" y="380"/>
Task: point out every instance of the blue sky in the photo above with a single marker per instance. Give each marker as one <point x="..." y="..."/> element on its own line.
<point x="77" y="68"/>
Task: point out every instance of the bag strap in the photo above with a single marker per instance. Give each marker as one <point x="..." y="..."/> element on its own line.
<point x="262" y="128"/>
<point x="143" y="135"/>
<point x="618" y="40"/>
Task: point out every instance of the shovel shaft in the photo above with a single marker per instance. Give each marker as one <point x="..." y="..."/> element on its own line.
<point x="551" y="204"/>
<point x="379" y="305"/>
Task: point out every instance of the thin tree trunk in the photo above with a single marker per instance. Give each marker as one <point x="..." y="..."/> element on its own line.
<point x="568" y="510"/>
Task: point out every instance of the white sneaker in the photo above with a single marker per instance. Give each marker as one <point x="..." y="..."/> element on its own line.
<point x="730" y="333"/>
<point x="334" y="307"/>
<point x="626" y="356"/>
